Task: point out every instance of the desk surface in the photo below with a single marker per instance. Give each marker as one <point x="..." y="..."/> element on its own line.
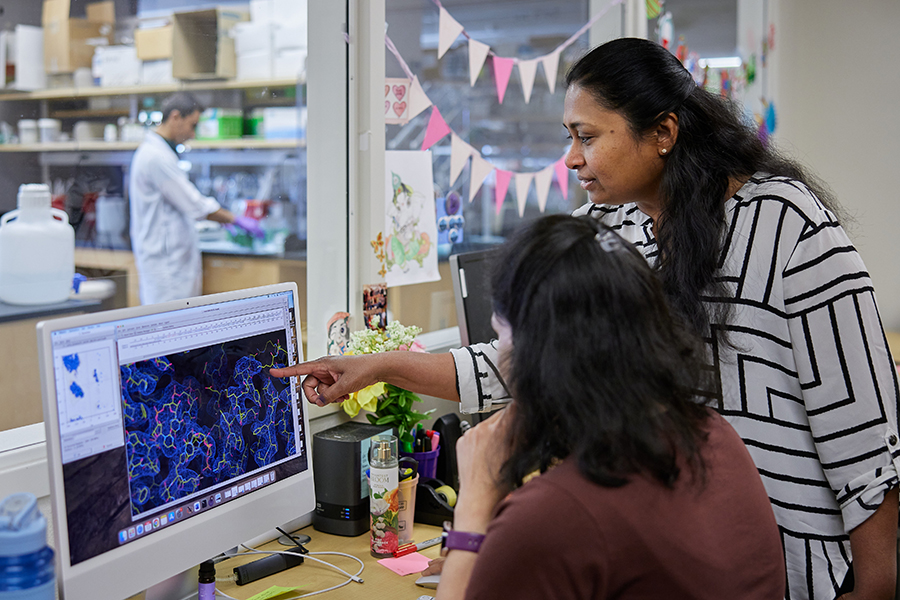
<point x="380" y="583"/>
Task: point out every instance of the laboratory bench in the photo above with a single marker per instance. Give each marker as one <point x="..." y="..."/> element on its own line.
<point x="225" y="268"/>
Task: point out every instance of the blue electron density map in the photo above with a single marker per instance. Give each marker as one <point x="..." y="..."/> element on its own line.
<point x="201" y="417"/>
<point x="88" y="394"/>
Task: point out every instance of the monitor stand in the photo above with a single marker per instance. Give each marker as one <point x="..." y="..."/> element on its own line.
<point x="178" y="586"/>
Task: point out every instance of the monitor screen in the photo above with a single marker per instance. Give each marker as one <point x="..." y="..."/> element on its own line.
<point x="162" y="422"/>
<point x="471" y="272"/>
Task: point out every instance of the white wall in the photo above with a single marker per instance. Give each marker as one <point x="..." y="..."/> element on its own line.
<point x="837" y="75"/>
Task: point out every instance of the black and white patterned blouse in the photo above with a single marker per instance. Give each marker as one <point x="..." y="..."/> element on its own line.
<point x="809" y="385"/>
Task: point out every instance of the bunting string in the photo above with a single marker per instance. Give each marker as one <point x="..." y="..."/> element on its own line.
<point x="460" y="151"/>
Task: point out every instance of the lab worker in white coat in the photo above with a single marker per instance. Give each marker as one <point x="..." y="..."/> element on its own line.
<point x="165" y="205"/>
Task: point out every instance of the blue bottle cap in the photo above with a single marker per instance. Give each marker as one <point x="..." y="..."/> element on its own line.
<point x="23" y="529"/>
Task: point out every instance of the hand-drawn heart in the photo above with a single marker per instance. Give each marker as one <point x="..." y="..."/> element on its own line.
<point x="387" y="106"/>
<point x="399" y="107"/>
<point x="399" y="91"/>
<point x="387" y="89"/>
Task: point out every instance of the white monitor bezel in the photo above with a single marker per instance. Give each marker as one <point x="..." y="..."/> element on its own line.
<point x="138" y="565"/>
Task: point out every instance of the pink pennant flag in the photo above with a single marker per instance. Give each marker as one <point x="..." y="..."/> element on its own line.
<point x="542" y="180"/>
<point x="479" y="172"/>
<point x="551" y="66"/>
<point x="418" y="100"/>
<point x="436" y="130"/>
<point x="562" y="176"/>
<point x="502" y="70"/>
<point x="527" y="69"/>
<point x="503" y="178"/>
<point x="459" y="154"/>
<point x="523" y="183"/>
<point x="478" y="52"/>
<point x="448" y="31"/>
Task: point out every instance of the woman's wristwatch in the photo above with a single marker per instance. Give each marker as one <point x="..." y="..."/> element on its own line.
<point x="459" y="540"/>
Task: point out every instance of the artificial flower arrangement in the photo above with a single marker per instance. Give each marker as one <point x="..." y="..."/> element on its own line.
<point x="390" y="404"/>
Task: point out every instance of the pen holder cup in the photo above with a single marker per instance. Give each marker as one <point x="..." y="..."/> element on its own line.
<point x="427" y="461"/>
<point x="407" y="509"/>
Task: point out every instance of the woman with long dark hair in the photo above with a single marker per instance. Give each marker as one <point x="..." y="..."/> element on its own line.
<point x="751" y="254"/>
<point x="645" y="492"/>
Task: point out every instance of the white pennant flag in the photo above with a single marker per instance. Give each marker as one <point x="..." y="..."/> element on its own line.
<point x="527" y="69"/>
<point x="418" y="100"/>
<point x="448" y="31"/>
<point x="551" y="65"/>
<point x="480" y="169"/>
<point x="459" y="153"/>
<point x="523" y="182"/>
<point x="478" y="52"/>
<point x="542" y="181"/>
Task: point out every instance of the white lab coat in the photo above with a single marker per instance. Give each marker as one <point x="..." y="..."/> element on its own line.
<point x="164" y="206"/>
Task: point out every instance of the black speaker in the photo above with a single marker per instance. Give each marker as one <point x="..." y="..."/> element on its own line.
<point x="340" y="460"/>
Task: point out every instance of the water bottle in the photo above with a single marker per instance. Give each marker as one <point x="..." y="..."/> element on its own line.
<point x="26" y="562"/>
<point x="37" y="250"/>
<point x="384" y="500"/>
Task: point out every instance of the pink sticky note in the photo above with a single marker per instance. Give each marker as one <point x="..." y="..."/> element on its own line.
<point x="406" y="565"/>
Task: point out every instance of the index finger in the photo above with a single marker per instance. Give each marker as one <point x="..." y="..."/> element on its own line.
<point x="304" y="368"/>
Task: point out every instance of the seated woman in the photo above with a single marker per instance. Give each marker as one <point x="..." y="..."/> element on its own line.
<point x="644" y="492"/>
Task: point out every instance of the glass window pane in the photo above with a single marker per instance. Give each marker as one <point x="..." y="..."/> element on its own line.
<point x="517" y="136"/>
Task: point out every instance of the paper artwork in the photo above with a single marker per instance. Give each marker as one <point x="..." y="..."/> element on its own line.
<point x="410" y="221"/>
<point x="396" y="100"/>
<point x="375" y="305"/>
<point x="338" y="333"/>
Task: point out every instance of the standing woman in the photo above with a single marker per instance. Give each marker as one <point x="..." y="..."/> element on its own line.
<point x="750" y="252"/>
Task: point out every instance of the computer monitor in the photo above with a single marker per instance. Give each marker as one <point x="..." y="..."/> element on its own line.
<point x="471" y="272"/>
<point x="167" y="440"/>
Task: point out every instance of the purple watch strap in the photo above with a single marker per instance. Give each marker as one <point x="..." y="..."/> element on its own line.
<point x="463" y="540"/>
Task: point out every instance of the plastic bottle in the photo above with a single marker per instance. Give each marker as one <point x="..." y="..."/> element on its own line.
<point x="384" y="501"/>
<point x="26" y="562"/>
<point x="37" y="250"/>
<point x="206" y="589"/>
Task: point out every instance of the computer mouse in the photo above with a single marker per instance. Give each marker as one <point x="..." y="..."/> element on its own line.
<point x="429" y="581"/>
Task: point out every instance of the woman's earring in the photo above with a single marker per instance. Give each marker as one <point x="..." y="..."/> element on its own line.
<point x="663" y="151"/>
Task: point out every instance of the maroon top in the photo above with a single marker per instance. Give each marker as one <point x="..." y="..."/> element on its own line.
<point x="561" y="536"/>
